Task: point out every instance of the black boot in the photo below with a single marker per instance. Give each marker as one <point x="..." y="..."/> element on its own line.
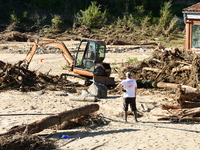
<point x="125" y="116"/>
<point x="135" y="115"/>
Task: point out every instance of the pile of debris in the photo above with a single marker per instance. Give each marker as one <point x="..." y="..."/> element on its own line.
<point x="13" y="76"/>
<point x="172" y="66"/>
<point x="25" y="141"/>
<point x="175" y="69"/>
<point x="184" y="108"/>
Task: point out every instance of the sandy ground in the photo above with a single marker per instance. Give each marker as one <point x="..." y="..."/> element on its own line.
<point x="19" y="108"/>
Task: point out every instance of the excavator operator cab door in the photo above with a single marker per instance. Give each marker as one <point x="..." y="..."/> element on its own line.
<point x="89" y="53"/>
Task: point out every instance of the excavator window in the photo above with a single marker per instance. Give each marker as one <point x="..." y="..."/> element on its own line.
<point x="90" y="56"/>
<point x="80" y="55"/>
<point x="86" y="55"/>
<point x="89" y="53"/>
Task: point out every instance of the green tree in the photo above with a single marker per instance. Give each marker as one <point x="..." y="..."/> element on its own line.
<point x="92" y="16"/>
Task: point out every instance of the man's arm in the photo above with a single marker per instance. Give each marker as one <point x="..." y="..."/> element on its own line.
<point x="119" y="86"/>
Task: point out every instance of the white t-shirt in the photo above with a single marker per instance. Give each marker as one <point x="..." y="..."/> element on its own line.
<point x="129" y="85"/>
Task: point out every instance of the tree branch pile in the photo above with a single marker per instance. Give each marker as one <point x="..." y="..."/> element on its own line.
<point x="12" y="76"/>
<point x="25" y="141"/>
<point x="172" y="66"/>
<point x="184" y="108"/>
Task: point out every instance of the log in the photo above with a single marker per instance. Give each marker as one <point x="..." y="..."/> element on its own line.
<point x="188" y="89"/>
<point x="192" y="97"/>
<point x="176" y="86"/>
<point x="194" y="112"/>
<point x="152" y="69"/>
<point x="190" y="105"/>
<point x="184" y="68"/>
<point x="44" y="123"/>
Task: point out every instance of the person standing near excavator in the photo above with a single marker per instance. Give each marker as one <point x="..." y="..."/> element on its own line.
<point x="129" y="87"/>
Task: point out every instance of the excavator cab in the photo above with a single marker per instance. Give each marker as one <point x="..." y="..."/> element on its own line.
<point x="89" y="58"/>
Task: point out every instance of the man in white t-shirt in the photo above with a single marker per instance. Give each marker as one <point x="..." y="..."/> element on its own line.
<point x="129" y="87"/>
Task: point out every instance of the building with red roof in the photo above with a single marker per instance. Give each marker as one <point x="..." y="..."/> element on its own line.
<point x="191" y="16"/>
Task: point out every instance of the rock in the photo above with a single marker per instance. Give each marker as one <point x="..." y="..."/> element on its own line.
<point x="98" y="90"/>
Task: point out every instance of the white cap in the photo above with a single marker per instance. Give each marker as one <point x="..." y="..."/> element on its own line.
<point x="128" y="74"/>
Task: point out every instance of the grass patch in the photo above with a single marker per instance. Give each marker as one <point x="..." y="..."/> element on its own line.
<point x="131" y="60"/>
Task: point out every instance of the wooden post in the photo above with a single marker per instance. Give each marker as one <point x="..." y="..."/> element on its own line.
<point x="44" y="123"/>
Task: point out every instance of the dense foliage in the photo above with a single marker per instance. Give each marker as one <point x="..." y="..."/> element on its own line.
<point x="67" y="8"/>
<point x="138" y="17"/>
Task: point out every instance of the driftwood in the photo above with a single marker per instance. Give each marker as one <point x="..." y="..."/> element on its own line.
<point x="184" y="68"/>
<point x="151" y="69"/>
<point x="176" y="86"/>
<point x="187" y="105"/>
<point x="44" y="123"/>
<point x="191" y="112"/>
<point x="167" y="85"/>
<point x="182" y="95"/>
<point x="185" y="115"/>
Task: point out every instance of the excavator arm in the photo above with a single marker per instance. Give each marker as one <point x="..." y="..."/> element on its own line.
<point x="50" y="43"/>
<point x="80" y="65"/>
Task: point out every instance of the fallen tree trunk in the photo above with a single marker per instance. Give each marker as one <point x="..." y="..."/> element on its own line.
<point x="154" y="84"/>
<point x="194" y="112"/>
<point x="192" y="97"/>
<point x="176" y="86"/>
<point x="44" y="123"/>
<point x="184" y="68"/>
<point x="151" y="69"/>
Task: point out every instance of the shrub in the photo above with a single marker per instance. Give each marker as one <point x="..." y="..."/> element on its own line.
<point x="92" y="17"/>
<point x="14" y="18"/>
<point x="127" y="21"/>
<point x="145" y="25"/>
<point x="56" y="22"/>
<point x="167" y="22"/>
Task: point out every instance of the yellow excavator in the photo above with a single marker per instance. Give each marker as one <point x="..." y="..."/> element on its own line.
<point x="88" y="61"/>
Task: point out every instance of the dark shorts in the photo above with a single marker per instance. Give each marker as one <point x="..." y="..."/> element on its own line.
<point x="129" y="101"/>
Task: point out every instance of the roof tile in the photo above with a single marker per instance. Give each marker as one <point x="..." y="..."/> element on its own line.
<point x="195" y="7"/>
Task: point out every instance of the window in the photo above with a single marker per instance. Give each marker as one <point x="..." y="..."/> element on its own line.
<point x="80" y="54"/>
<point x="102" y="51"/>
<point x="195" y="36"/>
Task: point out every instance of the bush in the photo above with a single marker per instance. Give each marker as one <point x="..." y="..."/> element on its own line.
<point x="14" y="18"/>
<point x="56" y="22"/>
<point x="92" y="17"/>
<point x="167" y="22"/>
